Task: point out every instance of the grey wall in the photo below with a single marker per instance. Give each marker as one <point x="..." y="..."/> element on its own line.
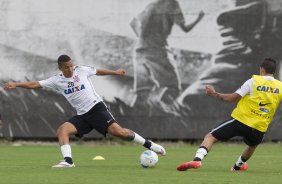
<point x="224" y="49"/>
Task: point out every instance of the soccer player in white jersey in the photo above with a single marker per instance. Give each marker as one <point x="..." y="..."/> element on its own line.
<point x="92" y="113"/>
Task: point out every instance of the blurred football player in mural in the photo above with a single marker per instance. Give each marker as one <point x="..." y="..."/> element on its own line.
<point x="246" y="40"/>
<point x="156" y="76"/>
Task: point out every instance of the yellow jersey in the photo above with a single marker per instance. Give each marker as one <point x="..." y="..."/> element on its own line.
<point x="256" y="109"/>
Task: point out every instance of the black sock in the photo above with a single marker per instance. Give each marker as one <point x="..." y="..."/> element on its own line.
<point x="68" y="160"/>
<point x="243" y="159"/>
<point x="235" y="167"/>
<point x="147" y="144"/>
<point x="197" y="159"/>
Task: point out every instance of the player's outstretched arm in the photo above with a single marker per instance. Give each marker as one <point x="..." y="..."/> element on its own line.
<point x="110" y="72"/>
<point x="28" y="85"/>
<point x="233" y="97"/>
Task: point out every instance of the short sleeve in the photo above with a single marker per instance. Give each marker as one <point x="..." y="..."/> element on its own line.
<point x="88" y="70"/>
<point x="48" y="83"/>
<point x="246" y="88"/>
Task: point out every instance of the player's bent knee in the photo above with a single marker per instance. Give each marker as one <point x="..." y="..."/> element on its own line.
<point x="60" y="131"/>
<point x="63" y="130"/>
<point x="210" y="137"/>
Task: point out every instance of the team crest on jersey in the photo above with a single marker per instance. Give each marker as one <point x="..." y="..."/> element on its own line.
<point x="268" y="89"/>
<point x="76" y="78"/>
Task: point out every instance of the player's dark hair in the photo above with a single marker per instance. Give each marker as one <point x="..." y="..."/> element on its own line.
<point x="63" y="59"/>
<point x="269" y="65"/>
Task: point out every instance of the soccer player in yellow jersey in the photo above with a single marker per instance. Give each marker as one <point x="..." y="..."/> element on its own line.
<point x="258" y="99"/>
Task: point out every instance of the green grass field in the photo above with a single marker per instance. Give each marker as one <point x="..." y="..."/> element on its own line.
<point x="31" y="164"/>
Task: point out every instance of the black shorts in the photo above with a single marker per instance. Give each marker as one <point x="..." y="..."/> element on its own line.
<point x="233" y="127"/>
<point x="98" y="118"/>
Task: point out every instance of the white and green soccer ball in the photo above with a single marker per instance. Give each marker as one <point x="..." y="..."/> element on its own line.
<point x="148" y="159"/>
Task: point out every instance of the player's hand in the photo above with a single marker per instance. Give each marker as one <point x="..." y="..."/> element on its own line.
<point x="210" y="91"/>
<point x="120" y="72"/>
<point x="9" y="85"/>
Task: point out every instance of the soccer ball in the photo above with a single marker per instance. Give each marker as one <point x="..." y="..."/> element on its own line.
<point x="148" y="159"/>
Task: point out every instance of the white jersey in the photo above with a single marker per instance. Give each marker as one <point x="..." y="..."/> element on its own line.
<point x="78" y="89"/>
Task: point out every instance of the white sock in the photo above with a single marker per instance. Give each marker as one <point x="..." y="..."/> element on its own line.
<point x="138" y="139"/>
<point x="201" y="153"/>
<point x="66" y="150"/>
<point x="239" y="162"/>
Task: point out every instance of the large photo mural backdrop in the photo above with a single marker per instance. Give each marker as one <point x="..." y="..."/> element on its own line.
<point x="170" y="50"/>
